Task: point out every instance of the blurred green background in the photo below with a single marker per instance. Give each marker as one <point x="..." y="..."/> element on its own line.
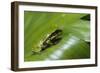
<point x="75" y="38"/>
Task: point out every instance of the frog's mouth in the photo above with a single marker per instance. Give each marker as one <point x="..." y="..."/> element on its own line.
<point x="53" y="39"/>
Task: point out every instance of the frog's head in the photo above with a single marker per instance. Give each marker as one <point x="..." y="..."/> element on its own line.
<point x="36" y="48"/>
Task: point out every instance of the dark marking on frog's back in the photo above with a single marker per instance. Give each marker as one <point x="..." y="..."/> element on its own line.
<point x="53" y="39"/>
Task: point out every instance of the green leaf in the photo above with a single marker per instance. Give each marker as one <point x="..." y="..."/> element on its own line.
<point x="73" y="45"/>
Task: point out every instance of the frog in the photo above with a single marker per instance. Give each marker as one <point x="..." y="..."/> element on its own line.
<point x="53" y="39"/>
